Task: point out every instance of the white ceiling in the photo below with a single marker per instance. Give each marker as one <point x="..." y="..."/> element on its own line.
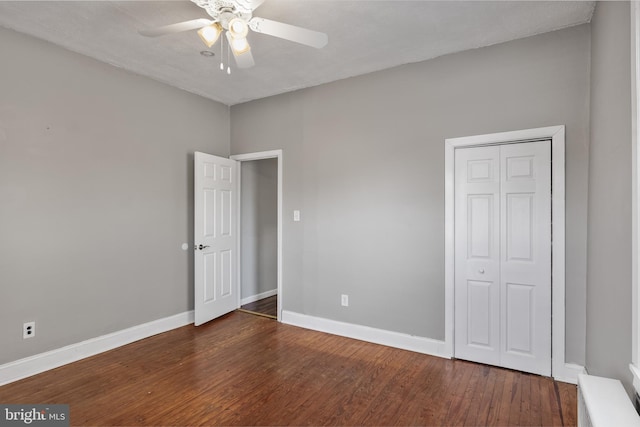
<point x="364" y="36"/>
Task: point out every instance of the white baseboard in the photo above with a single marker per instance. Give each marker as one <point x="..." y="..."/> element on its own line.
<point x="23" y="368"/>
<point x="569" y="373"/>
<point x="366" y="333"/>
<point x="260" y="296"/>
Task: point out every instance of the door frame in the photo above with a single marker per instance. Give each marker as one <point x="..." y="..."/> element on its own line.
<point x="560" y="370"/>
<point x="272" y="154"/>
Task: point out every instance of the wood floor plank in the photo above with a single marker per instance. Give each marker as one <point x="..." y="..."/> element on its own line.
<point x="435" y="399"/>
<point x="515" y="404"/>
<point x="338" y="376"/>
<point x="392" y="397"/>
<point x="417" y="396"/>
<point x="496" y="398"/>
<point x="367" y="389"/>
<point x="524" y="417"/>
<point x="536" y="400"/>
<point x="546" y="397"/>
<point x="568" y="398"/>
<point x="556" y="406"/>
<point x="506" y="399"/>
<point x="351" y="379"/>
<point x="475" y="414"/>
<point x="481" y="417"/>
<point x="460" y="396"/>
<point x="249" y="370"/>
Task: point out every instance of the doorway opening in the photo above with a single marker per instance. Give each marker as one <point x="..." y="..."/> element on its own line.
<point x="259" y="237"/>
<point x="265" y="307"/>
<point x="260" y="233"/>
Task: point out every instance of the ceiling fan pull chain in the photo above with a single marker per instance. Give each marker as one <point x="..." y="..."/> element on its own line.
<point x="228" y="61"/>
<point x="221" y="54"/>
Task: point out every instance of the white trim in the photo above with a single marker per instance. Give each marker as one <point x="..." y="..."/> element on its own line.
<point x="635" y="196"/>
<point x="505" y="137"/>
<point x="557" y="136"/>
<point x="569" y="373"/>
<point x="449" y="246"/>
<point x="23" y="368"/>
<point x="257" y="297"/>
<point x="366" y="333"/>
<point x="636" y="376"/>
<point x="260" y="156"/>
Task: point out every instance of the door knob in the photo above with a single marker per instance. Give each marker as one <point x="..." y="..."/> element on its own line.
<point x="481" y="271"/>
<point x="201" y="247"/>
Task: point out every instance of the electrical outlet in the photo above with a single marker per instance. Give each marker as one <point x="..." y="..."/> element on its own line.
<point x="345" y="300"/>
<point x="28" y="330"/>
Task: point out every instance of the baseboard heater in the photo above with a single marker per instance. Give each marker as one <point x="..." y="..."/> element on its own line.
<point x="604" y="402"/>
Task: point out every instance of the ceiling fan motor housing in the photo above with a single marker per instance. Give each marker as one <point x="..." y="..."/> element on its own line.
<point x="224" y="11"/>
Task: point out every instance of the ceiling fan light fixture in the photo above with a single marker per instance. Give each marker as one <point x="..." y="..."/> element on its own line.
<point x="238" y="28"/>
<point x="210" y="34"/>
<point x="239" y="45"/>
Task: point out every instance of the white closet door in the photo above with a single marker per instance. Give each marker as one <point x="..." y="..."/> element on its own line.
<point x="477" y="255"/>
<point x="503" y="256"/>
<point x="525" y="271"/>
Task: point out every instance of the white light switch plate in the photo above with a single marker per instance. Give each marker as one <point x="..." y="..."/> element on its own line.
<point x="296" y="215"/>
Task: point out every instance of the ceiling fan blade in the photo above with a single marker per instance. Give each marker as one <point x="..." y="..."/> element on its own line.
<point x="194" y="24"/>
<point x="289" y="32"/>
<point x="243" y="60"/>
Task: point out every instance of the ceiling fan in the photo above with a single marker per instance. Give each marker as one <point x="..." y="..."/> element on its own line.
<point x="234" y="18"/>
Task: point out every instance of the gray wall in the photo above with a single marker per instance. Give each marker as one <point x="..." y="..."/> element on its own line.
<point x="96" y="185"/>
<point x="609" y="257"/>
<point x="95" y="195"/>
<point x="364" y="162"/>
<point x="259" y="224"/>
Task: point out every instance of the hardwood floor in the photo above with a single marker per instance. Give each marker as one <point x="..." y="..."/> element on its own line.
<point x="248" y="370"/>
<point x="266" y="306"/>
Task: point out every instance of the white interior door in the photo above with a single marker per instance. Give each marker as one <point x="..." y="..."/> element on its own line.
<point x="216" y="258"/>
<point x="477" y="254"/>
<point x="503" y="256"/>
<point x="525" y="273"/>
